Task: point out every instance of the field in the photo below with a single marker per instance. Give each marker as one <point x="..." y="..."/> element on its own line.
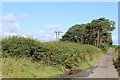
<point x="25" y="57"/>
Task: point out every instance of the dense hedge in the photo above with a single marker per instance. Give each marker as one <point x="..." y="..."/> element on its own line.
<point x="70" y="55"/>
<point x="20" y="46"/>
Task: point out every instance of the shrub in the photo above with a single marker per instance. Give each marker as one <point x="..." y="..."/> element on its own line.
<point x="20" y="46"/>
<point x="104" y="46"/>
<point x="116" y="48"/>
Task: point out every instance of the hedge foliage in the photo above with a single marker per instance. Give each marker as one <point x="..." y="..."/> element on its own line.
<point x="67" y="54"/>
<point x="117" y="57"/>
<point x="20" y="46"/>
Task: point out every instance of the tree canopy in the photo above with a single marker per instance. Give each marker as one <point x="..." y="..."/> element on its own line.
<point x="93" y="33"/>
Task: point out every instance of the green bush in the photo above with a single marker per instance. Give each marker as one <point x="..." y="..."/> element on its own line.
<point x="20" y="46"/>
<point x="104" y="46"/>
<point x="117" y="57"/>
<point x="116" y="47"/>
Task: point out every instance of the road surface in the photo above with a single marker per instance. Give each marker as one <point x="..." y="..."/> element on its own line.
<point x="105" y="67"/>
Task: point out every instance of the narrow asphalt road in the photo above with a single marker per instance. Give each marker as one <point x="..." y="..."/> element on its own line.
<point x="105" y="67"/>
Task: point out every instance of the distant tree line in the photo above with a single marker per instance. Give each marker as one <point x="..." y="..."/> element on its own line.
<point x="94" y="33"/>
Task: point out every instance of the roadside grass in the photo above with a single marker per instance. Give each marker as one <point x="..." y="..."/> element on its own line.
<point x="26" y="68"/>
<point x="116" y="58"/>
<point x="13" y="67"/>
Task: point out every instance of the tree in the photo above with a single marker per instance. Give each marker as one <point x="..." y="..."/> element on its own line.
<point x="75" y="33"/>
<point x="93" y="33"/>
<point x="101" y="26"/>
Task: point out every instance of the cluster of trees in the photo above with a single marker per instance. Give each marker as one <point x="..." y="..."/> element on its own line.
<point x="93" y="33"/>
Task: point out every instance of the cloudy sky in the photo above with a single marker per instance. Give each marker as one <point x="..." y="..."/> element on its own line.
<point x="40" y="20"/>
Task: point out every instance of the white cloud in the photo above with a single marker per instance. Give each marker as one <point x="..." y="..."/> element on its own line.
<point x="9" y="18"/>
<point x="10" y="24"/>
<point x="115" y="38"/>
<point x="47" y="32"/>
<point x="9" y="34"/>
<point x="44" y="35"/>
<point x="41" y="31"/>
<point x="10" y="27"/>
<point x="26" y="35"/>
<point x="52" y="26"/>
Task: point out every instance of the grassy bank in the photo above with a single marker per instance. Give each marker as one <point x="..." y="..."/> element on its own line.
<point x="25" y="68"/>
<point x="25" y="57"/>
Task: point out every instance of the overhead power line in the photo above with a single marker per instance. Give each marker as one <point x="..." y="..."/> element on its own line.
<point x="57" y="33"/>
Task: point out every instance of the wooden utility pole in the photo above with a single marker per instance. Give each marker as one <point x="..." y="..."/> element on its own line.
<point x="57" y="33"/>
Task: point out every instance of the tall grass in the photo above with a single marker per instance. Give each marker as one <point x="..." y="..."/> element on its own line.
<point x="69" y="54"/>
<point x="13" y="67"/>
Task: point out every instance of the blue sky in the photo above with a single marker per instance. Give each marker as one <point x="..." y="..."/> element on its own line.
<point x="40" y="20"/>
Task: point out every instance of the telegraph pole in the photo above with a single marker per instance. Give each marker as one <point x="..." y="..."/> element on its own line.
<point x="57" y="33"/>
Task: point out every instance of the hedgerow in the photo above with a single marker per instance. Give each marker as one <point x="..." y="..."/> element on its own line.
<point x="67" y="54"/>
<point x="20" y="46"/>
